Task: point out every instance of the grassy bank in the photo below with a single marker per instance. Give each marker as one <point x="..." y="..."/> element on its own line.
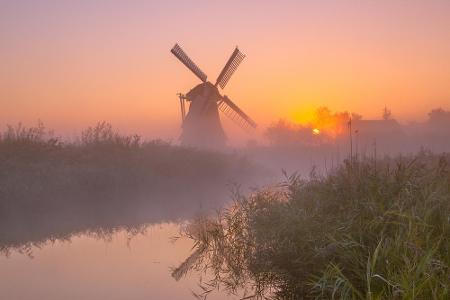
<point x="50" y="188"/>
<point x="367" y="230"/>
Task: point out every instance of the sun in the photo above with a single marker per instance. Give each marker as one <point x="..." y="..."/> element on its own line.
<point x="316" y="131"/>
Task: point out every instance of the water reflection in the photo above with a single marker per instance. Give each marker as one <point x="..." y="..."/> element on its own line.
<point x="121" y="251"/>
<point x="87" y="267"/>
<point x="30" y="225"/>
<point x="104" y="239"/>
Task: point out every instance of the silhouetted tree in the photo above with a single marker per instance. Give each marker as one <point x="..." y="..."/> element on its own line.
<point x="356" y="117"/>
<point x="287" y="133"/>
<point x="439" y="117"/>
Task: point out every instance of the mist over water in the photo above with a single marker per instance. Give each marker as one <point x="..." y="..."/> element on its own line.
<point x="103" y="180"/>
<point x="50" y="189"/>
<point x="114" y="198"/>
<point x="95" y="218"/>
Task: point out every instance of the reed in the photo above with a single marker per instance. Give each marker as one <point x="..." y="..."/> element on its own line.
<point x="366" y="231"/>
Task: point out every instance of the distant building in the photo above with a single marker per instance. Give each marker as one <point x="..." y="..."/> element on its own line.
<point x="386" y="135"/>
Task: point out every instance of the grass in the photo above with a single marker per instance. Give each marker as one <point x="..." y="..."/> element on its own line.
<point x="50" y="188"/>
<point x="367" y="230"/>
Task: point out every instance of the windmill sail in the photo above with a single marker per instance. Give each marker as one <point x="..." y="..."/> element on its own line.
<point x="233" y="112"/>
<point x="182" y="56"/>
<point x="231" y="66"/>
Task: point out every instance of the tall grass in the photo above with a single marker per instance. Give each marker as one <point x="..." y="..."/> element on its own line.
<point x="368" y="230"/>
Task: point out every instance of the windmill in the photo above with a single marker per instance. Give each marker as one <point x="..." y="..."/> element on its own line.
<point x="201" y="125"/>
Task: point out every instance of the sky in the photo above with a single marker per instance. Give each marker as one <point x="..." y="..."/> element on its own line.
<point x="74" y="63"/>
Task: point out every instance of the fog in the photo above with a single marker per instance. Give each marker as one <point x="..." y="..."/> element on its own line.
<point x="101" y="183"/>
<point x="102" y="180"/>
<point x="329" y="138"/>
<point x="51" y="189"/>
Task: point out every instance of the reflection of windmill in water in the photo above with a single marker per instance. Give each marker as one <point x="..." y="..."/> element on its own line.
<point x="201" y="125"/>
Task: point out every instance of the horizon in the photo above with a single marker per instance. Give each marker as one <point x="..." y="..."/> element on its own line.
<point x="74" y="64"/>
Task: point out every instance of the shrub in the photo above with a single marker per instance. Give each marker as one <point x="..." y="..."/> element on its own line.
<point x="20" y="137"/>
<point x="103" y="135"/>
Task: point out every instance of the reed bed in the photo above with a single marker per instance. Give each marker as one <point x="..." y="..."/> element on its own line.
<point x="367" y="230"/>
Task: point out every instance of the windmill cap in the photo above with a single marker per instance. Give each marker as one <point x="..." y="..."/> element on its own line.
<point x="200" y="89"/>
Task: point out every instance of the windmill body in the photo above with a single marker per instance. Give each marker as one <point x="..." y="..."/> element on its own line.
<point x="202" y="126"/>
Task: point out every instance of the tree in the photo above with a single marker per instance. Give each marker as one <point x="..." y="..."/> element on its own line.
<point x="439" y="117"/>
<point x="356" y="117"/>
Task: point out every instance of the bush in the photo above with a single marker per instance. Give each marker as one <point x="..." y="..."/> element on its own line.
<point x="19" y="137"/>
<point x="103" y="135"/>
<point x="368" y="230"/>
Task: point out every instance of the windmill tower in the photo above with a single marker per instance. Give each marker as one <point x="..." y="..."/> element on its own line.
<point x="201" y="125"/>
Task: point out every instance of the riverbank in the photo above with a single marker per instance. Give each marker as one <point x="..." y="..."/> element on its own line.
<point x="51" y="189"/>
<point x="370" y="229"/>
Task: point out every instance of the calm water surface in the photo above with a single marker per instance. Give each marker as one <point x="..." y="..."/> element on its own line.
<point x="92" y="268"/>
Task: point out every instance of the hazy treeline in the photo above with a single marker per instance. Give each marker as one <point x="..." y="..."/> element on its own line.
<point x="331" y="137"/>
<point x="385" y="134"/>
<point x="50" y="188"/>
<point x="370" y="229"/>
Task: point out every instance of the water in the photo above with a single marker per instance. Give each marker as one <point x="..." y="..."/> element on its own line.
<point x="87" y="267"/>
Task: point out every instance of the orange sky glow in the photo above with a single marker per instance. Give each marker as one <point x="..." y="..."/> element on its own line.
<point x="73" y="63"/>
